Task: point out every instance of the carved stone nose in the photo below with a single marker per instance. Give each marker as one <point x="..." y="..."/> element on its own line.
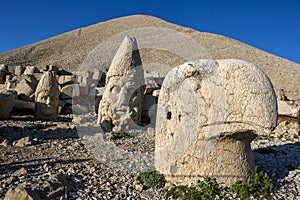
<point x="122" y="97"/>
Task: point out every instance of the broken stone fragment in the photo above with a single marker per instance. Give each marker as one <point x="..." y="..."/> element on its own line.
<point x="26" y="87"/>
<point x="21" y="193"/>
<point x="69" y="91"/>
<point x="22" y="142"/>
<point x="31" y="70"/>
<point x="121" y="104"/>
<point x="66" y="79"/>
<point x="289" y="109"/>
<point x="19" y="70"/>
<point x="24" y="106"/>
<point x="151" y="85"/>
<point x="208" y="113"/>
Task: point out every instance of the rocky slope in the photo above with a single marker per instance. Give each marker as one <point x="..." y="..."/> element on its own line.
<point x="48" y="160"/>
<point x="70" y="49"/>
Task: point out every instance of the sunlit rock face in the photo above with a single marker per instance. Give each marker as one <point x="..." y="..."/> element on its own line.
<point x="121" y="104"/>
<point x="208" y="113"/>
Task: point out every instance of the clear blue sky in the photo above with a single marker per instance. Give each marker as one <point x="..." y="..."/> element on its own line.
<point x="270" y="25"/>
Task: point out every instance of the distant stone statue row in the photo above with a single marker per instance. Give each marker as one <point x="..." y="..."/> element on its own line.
<point x="46" y="99"/>
<point x="45" y="93"/>
<point x="208" y="113"/>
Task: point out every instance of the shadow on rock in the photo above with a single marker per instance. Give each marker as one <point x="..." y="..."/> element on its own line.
<point x="278" y="161"/>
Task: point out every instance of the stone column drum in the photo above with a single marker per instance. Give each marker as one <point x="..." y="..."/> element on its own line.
<point x="208" y="113"/>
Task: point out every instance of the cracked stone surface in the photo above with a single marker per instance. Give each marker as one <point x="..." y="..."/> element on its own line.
<point x="121" y="104"/>
<point x="46" y="97"/>
<point x="208" y="113"/>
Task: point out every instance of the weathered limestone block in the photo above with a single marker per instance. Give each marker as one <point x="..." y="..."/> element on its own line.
<point x="52" y="68"/>
<point x="87" y="74"/>
<point x="8" y="78"/>
<point x="208" y="113"/>
<point x="24" y="106"/>
<point x="151" y="85"/>
<point x="96" y="75"/>
<point x="66" y="79"/>
<point x="86" y="81"/>
<point x="31" y="70"/>
<point x="26" y="87"/>
<point x="155" y="93"/>
<point x="121" y="104"/>
<point x="19" y="70"/>
<point x="21" y="193"/>
<point x="289" y="108"/>
<point x="6" y="104"/>
<point x="47" y="97"/>
<point x="65" y="107"/>
<point x="11" y="85"/>
<point x="69" y="91"/>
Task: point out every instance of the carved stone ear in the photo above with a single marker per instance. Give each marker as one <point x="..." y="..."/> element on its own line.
<point x="208" y="113"/>
<point x="115" y="89"/>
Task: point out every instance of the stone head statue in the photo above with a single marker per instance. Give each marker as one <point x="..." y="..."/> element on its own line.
<point x="47" y="97"/>
<point x="208" y="113"/>
<point x="121" y="104"/>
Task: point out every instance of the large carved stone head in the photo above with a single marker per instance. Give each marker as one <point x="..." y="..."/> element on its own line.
<point x="208" y="113"/>
<point x="120" y="107"/>
<point x="47" y="97"/>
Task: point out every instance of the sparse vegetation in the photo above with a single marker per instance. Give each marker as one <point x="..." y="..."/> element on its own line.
<point x="258" y="186"/>
<point x="296" y="136"/>
<point x="268" y="137"/>
<point x="152" y="179"/>
<point x="207" y="189"/>
<point x="120" y="134"/>
<point x="183" y="192"/>
<point x="36" y="126"/>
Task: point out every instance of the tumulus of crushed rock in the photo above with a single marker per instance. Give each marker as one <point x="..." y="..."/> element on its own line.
<point x="69" y="50"/>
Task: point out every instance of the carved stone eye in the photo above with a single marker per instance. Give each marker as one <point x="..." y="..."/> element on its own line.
<point x="115" y="89"/>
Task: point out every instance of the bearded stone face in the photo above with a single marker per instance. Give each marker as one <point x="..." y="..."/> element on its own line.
<point x="120" y="105"/>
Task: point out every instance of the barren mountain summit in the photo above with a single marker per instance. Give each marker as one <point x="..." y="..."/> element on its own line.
<point x="69" y="50"/>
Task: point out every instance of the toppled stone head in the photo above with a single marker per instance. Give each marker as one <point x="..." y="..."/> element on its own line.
<point x="121" y="104"/>
<point x="208" y="113"/>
